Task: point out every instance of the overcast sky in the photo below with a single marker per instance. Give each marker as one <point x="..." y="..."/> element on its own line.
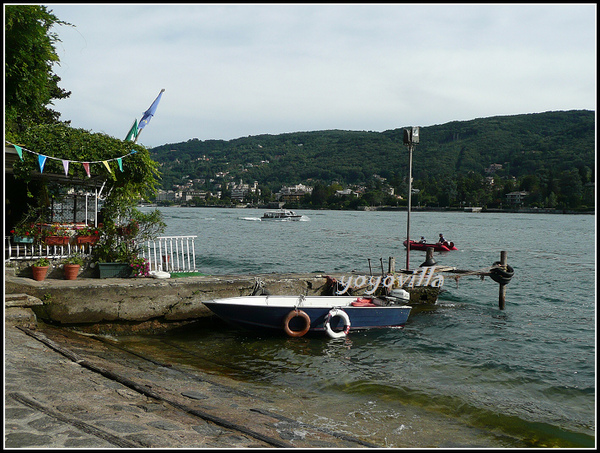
<point x="236" y="70"/>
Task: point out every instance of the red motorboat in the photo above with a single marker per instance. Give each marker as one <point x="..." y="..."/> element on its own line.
<point x="438" y="246"/>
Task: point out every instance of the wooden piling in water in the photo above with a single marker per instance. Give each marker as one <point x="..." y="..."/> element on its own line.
<point x="502" y="291"/>
<point x="392" y="265"/>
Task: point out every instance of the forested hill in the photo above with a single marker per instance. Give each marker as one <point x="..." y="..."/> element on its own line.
<point x="540" y="144"/>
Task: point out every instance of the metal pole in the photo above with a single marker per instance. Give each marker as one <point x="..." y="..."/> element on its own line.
<point x="410" y="151"/>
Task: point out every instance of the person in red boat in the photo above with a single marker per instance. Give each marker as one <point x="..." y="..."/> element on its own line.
<point x="442" y="240"/>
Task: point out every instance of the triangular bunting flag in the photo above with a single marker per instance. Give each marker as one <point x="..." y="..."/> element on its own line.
<point x="107" y="166"/>
<point x="42" y="161"/>
<point x="66" y="163"/>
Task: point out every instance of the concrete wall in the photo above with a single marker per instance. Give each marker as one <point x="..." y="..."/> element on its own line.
<point x="93" y="300"/>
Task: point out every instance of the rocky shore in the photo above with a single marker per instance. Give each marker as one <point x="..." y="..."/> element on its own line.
<point x="66" y="389"/>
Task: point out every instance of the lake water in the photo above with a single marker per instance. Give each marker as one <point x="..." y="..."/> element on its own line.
<point x="464" y="374"/>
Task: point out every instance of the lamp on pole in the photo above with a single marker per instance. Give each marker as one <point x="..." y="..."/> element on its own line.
<point x="411" y="138"/>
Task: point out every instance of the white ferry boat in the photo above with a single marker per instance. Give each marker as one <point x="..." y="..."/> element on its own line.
<point x="281" y="214"/>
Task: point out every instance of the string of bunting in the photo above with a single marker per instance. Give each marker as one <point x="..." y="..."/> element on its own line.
<point x="86" y="165"/>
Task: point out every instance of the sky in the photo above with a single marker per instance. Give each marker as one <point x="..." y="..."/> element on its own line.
<point x="234" y="70"/>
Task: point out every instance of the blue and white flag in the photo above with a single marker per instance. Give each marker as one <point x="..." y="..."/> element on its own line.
<point x="148" y="114"/>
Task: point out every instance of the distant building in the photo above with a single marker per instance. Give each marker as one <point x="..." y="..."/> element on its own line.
<point x="341" y="193"/>
<point x="493" y="168"/>
<point x="168" y="195"/>
<point x="239" y="191"/>
<point x="293" y="193"/>
<point x="191" y="194"/>
<point x="516" y="198"/>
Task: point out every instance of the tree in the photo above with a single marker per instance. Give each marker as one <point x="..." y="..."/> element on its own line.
<point x="571" y="188"/>
<point x="319" y="195"/>
<point x="30" y="85"/>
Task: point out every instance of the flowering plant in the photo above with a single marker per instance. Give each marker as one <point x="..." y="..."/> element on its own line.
<point x="140" y="266"/>
<point x="88" y="230"/>
<point x="25" y="230"/>
<point x="131" y="229"/>
<point x="56" y="229"/>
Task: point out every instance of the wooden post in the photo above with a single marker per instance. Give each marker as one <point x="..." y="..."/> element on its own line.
<point x="502" y="292"/>
<point x="392" y="264"/>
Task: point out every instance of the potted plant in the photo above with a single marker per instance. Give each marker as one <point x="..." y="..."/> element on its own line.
<point x="87" y="235"/>
<point x="57" y="234"/>
<point x="114" y="262"/>
<point x="40" y="269"/>
<point x="24" y="233"/>
<point x="71" y="266"/>
<point x="121" y="245"/>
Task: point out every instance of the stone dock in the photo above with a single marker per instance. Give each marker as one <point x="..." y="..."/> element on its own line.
<point x="144" y="301"/>
<point x="66" y="389"/>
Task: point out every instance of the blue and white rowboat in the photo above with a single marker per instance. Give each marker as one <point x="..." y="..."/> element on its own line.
<point x="298" y="315"/>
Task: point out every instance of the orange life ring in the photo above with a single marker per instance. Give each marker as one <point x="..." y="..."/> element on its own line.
<point x="296" y="333"/>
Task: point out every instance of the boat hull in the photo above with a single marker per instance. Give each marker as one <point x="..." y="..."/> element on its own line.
<point x="282" y="219"/>
<point x="436" y="247"/>
<point x="270" y="312"/>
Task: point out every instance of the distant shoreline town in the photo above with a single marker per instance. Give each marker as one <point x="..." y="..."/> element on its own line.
<point x="474" y="209"/>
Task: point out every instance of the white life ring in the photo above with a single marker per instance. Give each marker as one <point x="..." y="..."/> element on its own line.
<point x="342" y="314"/>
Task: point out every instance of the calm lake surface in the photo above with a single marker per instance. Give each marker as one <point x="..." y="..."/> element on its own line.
<point x="464" y="374"/>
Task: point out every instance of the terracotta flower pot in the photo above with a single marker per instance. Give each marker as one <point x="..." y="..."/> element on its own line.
<point x="71" y="271"/>
<point x="57" y="240"/>
<point x="87" y="239"/>
<point x="39" y="272"/>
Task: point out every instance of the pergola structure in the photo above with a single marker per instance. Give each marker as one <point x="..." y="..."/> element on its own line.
<point x="89" y="186"/>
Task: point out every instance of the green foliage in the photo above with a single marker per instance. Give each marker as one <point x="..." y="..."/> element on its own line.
<point x="41" y="262"/>
<point x="25" y="229"/>
<point x="449" y="164"/>
<point x="30" y="85"/>
<point x="75" y="259"/>
<point x="122" y="242"/>
<point x="139" y="176"/>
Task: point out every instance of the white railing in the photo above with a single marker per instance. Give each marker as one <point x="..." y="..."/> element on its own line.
<point x="35" y="251"/>
<point x="171" y="254"/>
<point x="165" y="253"/>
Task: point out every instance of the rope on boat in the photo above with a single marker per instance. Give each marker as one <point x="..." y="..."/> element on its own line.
<point x="259" y="288"/>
